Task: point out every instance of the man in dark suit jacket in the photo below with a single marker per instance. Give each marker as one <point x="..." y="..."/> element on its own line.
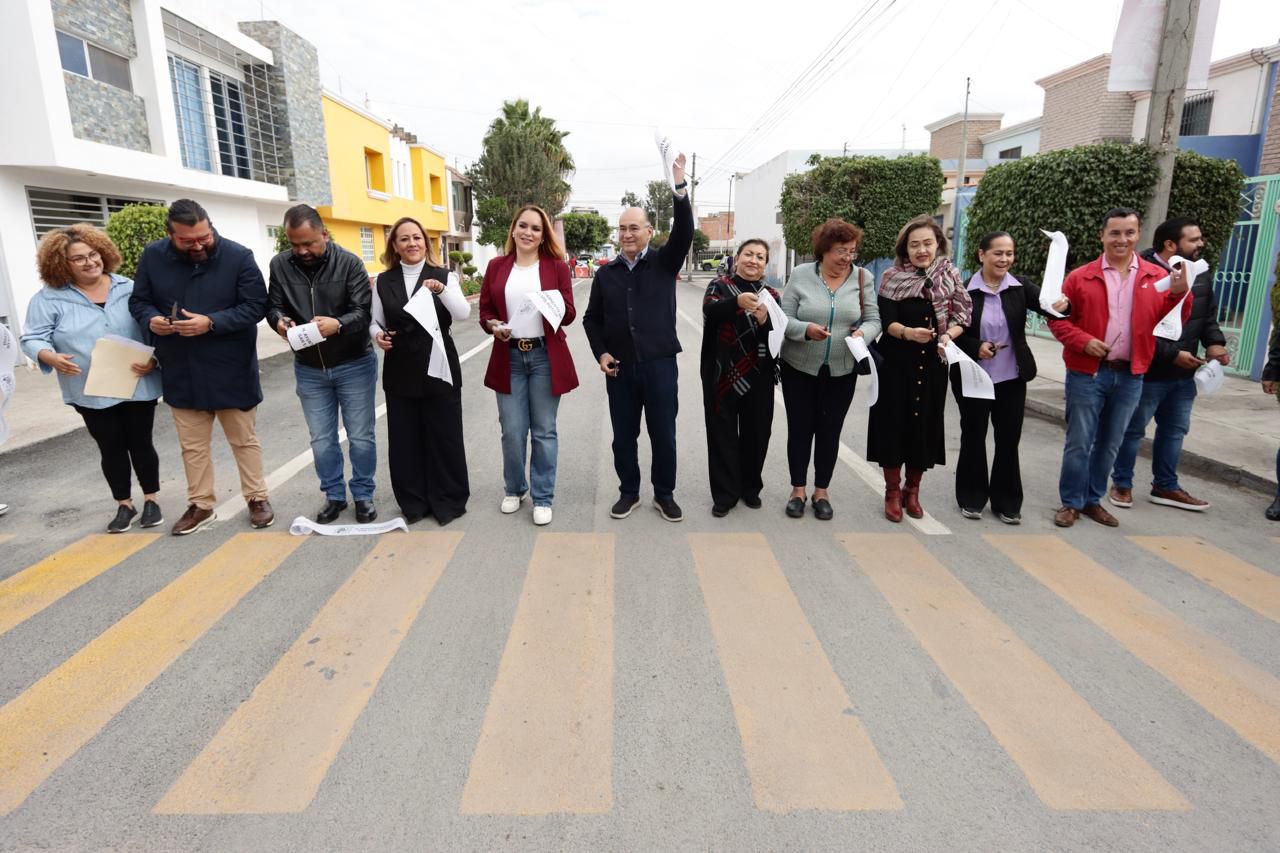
<point x="202" y="296"/>
<point x="1169" y="388"/>
<point x="630" y="322"/>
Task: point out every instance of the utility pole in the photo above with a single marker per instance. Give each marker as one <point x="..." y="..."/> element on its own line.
<point x="845" y="151"/>
<point x="1164" y="118"/>
<point x="964" y="147"/>
<point x="693" y="203"/>
<point x="729" y="224"/>
<point x="904" y="137"/>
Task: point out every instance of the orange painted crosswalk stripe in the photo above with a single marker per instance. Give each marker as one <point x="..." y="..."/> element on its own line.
<point x="31" y="590"/>
<point x="1243" y="696"/>
<point x="272" y="754"/>
<point x="60" y="713"/>
<point x="804" y="746"/>
<point x="1251" y="586"/>
<point x="1070" y="756"/>
<point x="546" y="746"/>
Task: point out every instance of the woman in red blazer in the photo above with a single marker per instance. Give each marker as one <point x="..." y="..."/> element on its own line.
<point x="530" y="366"/>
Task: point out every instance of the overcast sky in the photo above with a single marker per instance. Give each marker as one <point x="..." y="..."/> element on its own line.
<point x="706" y="72"/>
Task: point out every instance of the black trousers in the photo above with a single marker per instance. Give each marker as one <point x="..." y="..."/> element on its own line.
<point x="737" y="440"/>
<point x="816" y="407"/>
<point x="1004" y="485"/>
<point x="123" y="434"/>
<point x="427" y="456"/>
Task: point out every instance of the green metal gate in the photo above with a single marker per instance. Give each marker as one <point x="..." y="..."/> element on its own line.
<point x="1243" y="272"/>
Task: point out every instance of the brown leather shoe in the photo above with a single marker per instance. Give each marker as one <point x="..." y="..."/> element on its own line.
<point x="911" y="494"/>
<point x="1178" y="498"/>
<point x="892" y="494"/>
<point x="1066" y="516"/>
<point x="1122" y="498"/>
<point x="260" y="514"/>
<point x="194" y="519"/>
<point x="1100" y="515"/>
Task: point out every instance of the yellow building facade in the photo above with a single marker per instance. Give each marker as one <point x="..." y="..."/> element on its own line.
<point x="379" y="173"/>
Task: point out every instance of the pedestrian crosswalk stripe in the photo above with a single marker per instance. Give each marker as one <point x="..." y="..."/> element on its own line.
<point x="1243" y="696"/>
<point x="1071" y="757"/>
<point x="5" y="537"/>
<point x="48" y="723"/>
<point x="272" y="754"/>
<point x="1254" y="588"/>
<point x="804" y="746"/>
<point x="546" y="746"/>
<point x="31" y="590"/>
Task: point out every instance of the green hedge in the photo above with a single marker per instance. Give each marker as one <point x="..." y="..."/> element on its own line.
<point x="131" y="228"/>
<point x="1071" y="189"/>
<point x="880" y="194"/>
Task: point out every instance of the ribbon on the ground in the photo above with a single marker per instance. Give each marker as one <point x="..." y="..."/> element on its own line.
<point x="302" y="526"/>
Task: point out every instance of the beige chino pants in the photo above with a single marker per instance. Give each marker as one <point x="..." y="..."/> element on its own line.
<point x="195" y="432"/>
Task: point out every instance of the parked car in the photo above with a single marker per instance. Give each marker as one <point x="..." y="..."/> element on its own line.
<point x="712" y="264"/>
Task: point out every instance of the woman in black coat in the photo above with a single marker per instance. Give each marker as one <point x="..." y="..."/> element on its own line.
<point x="997" y="340"/>
<point x="421" y="376"/>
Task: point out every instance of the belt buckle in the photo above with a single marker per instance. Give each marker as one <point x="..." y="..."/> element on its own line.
<point x="524" y="345"/>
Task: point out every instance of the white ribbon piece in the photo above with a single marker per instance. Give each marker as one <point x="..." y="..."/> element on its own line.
<point x="1055" y="271"/>
<point x="777" y="321"/>
<point x="974" y="381"/>
<point x="858" y="346"/>
<point x="550" y="304"/>
<point x="304" y="336"/>
<point x="1209" y="377"/>
<point x="1170" y="326"/>
<point x="1193" y="268"/>
<point x="422" y="307"/>
<point x="302" y="526"/>
<point x="8" y="383"/>
<point x="667" y="152"/>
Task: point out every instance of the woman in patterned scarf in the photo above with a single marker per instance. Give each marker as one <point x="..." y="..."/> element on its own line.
<point x="738" y="375"/>
<point x="923" y="305"/>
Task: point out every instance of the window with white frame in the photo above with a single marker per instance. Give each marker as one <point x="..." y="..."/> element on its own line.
<point x="88" y="60"/>
<point x="52" y="209"/>
<point x="401" y="170"/>
<point x="366" y="244"/>
<point x="188" y="104"/>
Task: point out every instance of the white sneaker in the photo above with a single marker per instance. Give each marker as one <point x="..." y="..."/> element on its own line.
<point x="511" y="503"/>
<point x="541" y="515"/>
<point x="4" y="508"/>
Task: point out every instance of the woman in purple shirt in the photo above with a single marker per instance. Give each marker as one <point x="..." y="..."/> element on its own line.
<point x="997" y="340"/>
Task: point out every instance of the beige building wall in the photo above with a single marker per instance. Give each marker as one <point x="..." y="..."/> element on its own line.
<point x="1078" y="109"/>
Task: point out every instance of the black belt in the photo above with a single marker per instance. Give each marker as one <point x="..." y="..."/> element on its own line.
<point x="1117" y="365"/>
<point x="526" y="344"/>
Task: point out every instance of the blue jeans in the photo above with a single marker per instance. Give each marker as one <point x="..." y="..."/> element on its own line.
<point x="1099" y="408"/>
<point x="529" y="412"/>
<point x="648" y="387"/>
<point x="1169" y="401"/>
<point x="349" y="387"/>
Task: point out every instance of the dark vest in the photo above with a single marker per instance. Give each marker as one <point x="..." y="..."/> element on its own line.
<point x="404" y="368"/>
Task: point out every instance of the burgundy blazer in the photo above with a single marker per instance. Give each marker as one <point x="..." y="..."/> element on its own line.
<point x="493" y="305"/>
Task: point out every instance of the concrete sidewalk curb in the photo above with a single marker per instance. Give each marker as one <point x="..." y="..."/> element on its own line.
<point x="1189" y="460"/>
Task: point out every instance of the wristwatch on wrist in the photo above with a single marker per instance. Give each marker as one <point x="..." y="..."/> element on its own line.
<point x="682" y="185"/>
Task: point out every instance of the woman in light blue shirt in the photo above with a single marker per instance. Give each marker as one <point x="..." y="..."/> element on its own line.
<point x="84" y="300"/>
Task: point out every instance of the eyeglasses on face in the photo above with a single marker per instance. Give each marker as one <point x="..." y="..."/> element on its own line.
<point x="844" y="253"/>
<point x="84" y="260"/>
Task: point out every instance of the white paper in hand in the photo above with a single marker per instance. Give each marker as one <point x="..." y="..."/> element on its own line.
<point x="974" y="381"/>
<point x="1209" y="377"/>
<point x="858" y="346"/>
<point x="667" y="151"/>
<point x="1055" y="271"/>
<point x="302" y="337"/>
<point x="422" y="307"/>
<point x="8" y="384"/>
<point x="549" y="303"/>
<point x="111" y="367"/>
<point x="1170" y="327"/>
<point x="1193" y="268"/>
<point x="777" y="321"/>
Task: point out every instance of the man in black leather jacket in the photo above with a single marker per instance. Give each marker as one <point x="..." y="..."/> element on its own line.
<point x="1169" y="388"/>
<point x="1270" y="379"/>
<point x="318" y="282"/>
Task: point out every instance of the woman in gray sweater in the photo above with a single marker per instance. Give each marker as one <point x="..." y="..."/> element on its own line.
<point x="825" y="302"/>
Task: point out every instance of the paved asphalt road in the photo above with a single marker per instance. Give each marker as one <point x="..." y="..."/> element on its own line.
<point x="747" y="683"/>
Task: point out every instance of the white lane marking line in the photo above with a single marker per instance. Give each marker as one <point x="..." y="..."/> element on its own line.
<point x="235" y="504"/>
<point x="868" y="473"/>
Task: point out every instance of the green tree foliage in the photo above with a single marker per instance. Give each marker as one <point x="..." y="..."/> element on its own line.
<point x="700" y="241"/>
<point x="878" y="193"/>
<point x="584" y="232"/>
<point x="131" y="228"/>
<point x="1070" y="191"/>
<point x="630" y="199"/>
<point x="523" y="161"/>
<point x="659" y="204"/>
<point x="282" y="240"/>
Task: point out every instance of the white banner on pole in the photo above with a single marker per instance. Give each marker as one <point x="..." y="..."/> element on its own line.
<point x="1135" y="53"/>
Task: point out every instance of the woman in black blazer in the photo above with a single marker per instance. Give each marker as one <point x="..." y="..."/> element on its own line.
<point x="997" y="340"/>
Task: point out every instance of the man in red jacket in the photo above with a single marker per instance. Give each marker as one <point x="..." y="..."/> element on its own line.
<point x="1107" y="344"/>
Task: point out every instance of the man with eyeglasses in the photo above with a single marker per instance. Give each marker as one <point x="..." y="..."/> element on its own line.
<point x="202" y="296"/>
<point x="630" y="323"/>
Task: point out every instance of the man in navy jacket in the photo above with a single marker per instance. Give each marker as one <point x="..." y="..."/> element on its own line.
<point x="202" y="296"/>
<point x="630" y="323"/>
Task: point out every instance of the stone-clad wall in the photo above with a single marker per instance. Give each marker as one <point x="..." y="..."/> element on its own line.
<point x="103" y="113"/>
<point x="294" y="86"/>
<point x="108" y="23"/>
